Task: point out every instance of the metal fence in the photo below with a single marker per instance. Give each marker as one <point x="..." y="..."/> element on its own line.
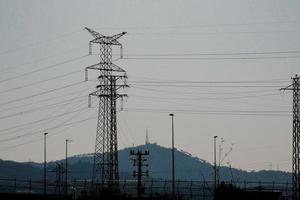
<point x="194" y="190"/>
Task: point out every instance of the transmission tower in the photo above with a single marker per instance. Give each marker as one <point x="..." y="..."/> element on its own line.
<point x="59" y="171"/>
<point x="296" y="137"/>
<point x="111" y="79"/>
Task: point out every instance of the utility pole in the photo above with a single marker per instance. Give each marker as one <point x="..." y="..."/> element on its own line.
<point x="111" y="79"/>
<point x="45" y="165"/>
<point x="296" y="137"/>
<point x="139" y="161"/>
<point x="66" y="175"/>
<point x="215" y="165"/>
<point x="173" y="158"/>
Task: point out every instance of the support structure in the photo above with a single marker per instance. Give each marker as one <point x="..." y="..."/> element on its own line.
<point x="59" y="172"/>
<point x="215" y="166"/>
<point x="66" y="168"/>
<point x="111" y="79"/>
<point x="147" y="141"/>
<point x="173" y="158"/>
<point x="139" y="161"/>
<point x="45" y="164"/>
<point x="296" y="137"/>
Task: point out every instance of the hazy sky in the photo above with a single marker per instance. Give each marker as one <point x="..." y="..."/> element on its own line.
<point x="217" y="65"/>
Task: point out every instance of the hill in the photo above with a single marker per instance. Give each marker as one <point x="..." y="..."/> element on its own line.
<point x="187" y="167"/>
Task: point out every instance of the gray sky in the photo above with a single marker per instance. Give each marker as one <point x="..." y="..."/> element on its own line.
<point x="42" y="49"/>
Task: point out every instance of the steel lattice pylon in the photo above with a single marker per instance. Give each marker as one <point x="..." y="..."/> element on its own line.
<point x="296" y="137"/>
<point x="111" y="79"/>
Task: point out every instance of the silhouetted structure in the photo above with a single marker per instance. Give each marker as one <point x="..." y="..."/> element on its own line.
<point x="154" y="189"/>
<point x="296" y="137"/>
<point x="59" y="172"/>
<point x="111" y="79"/>
<point x="20" y="196"/>
<point x="139" y="161"/>
<point x="230" y="192"/>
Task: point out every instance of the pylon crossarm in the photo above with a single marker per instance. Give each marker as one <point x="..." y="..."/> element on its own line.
<point x="108" y="87"/>
<point x="117" y="36"/>
<point x="99" y="94"/>
<point x="103" y="67"/>
<point x="117" y="68"/>
<point x="94" y="33"/>
<point x="101" y="40"/>
<point x="106" y="41"/>
<point x="122" y="95"/>
<point x="122" y="86"/>
<point x="115" y="42"/>
<point x="113" y="77"/>
<point x="287" y="87"/>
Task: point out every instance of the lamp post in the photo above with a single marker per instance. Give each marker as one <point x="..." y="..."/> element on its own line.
<point x="66" y="175"/>
<point x="173" y="159"/>
<point x="215" y="165"/>
<point x="45" y="165"/>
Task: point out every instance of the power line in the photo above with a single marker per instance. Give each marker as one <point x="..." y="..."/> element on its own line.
<point x="192" y="55"/>
<point x="35" y="140"/>
<point x="42" y="81"/>
<point x="201" y="98"/>
<point x="123" y="119"/>
<point x="203" y="25"/>
<point x="213" y="112"/>
<point x="66" y="111"/>
<point x="53" y="119"/>
<point x="36" y="109"/>
<point x="76" y="114"/>
<point x="207" y="98"/>
<point x="43" y="68"/>
<point x="4" y="69"/>
<point x="37" y="121"/>
<point x="216" y="54"/>
<point x="212" y="33"/>
<point x="212" y="58"/>
<point x="66" y="128"/>
<point x="217" y="86"/>
<point x="39" y="42"/>
<point x="42" y="93"/>
<point x="47" y="129"/>
<point x="184" y="83"/>
<point x="197" y="54"/>
<point x="171" y="102"/>
<point x="201" y="93"/>
<point x="43" y="100"/>
<point x="211" y="82"/>
<point x="140" y="78"/>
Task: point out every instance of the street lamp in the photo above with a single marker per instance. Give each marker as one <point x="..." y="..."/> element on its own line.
<point x="173" y="159"/>
<point x="66" y="177"/>
<point x="215" y="164"/>
<point x="45" y="165"/>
